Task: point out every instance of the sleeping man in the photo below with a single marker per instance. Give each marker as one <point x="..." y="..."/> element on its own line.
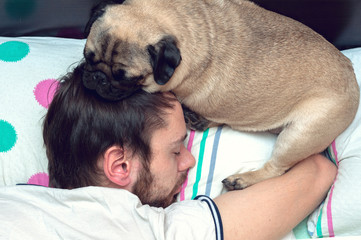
<point x="135" y="147"/>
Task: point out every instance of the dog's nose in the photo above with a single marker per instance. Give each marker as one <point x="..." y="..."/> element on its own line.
<point x="99" y="78"/>
<point x="93" y="79"/>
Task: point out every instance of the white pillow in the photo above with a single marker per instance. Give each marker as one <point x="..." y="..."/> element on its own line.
<point x="221" y="152"/>
<point x="30" y="67"/>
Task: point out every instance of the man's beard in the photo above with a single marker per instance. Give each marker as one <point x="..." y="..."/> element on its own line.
<point x="148" y="194"/>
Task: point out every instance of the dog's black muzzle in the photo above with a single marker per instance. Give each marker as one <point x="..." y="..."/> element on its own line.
<point x="91" y="80"/>
<point x="108" y="88"/>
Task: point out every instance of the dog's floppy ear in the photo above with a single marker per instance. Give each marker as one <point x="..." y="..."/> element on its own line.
<point x="98" y="11"/>
<point x="164" y="59"/>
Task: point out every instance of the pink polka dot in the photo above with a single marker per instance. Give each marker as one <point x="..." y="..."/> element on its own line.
<point x="39" y="179"/>
<point x="44" y="91"/>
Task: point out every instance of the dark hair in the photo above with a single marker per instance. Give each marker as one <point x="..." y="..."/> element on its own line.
<point x="80" y="125"/>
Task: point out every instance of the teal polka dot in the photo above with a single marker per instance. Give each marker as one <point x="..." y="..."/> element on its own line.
<point x="19" y="9"/>
<point x="8" y="136"/>
<point x="13" y="51"/>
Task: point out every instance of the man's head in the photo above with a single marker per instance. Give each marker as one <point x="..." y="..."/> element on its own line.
<point x="134" y="144"/>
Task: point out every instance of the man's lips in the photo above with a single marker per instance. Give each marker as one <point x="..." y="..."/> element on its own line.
<point x="181" y="182"/>
<point x="184" y="178"/>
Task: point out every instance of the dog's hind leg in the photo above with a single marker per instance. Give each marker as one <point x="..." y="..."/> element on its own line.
<point x="314" y="126"/>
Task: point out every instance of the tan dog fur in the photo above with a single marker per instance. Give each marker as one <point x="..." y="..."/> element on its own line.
<point x="242" y="65"/>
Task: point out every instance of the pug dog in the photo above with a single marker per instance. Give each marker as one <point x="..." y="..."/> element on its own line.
<point x="229" y="62"/>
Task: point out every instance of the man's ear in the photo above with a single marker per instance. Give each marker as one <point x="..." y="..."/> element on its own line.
<point x="164" y="59"/>
<point x="117" y="166"/>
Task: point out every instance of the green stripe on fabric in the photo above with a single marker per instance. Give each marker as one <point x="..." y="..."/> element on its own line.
<point x="331" y="155"/>
<point x="200" y="163"/>
<point x="319" y="227"/>
<point x="300" y="231"/>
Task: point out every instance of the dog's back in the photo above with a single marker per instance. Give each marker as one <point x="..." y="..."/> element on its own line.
<point x="269" y="61"/>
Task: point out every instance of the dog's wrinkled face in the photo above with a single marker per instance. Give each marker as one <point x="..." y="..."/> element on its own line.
<point x="124" y="53"/>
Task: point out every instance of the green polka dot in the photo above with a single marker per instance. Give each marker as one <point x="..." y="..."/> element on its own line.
<point x="8" y="136"/>
<point x="20" y="9"/>
<point x="13" y="51"/>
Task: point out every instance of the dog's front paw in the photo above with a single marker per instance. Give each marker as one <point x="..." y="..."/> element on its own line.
<point x="234" y="183"/>
<point x="240" y="181"/>
<point x="194" y="121"/>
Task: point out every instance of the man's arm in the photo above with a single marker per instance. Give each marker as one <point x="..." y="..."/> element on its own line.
<point x="272" y="208"/>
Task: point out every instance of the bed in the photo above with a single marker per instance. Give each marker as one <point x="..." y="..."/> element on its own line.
<point x="42" y="40"/>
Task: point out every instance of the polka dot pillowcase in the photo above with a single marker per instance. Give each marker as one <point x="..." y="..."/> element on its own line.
<point x="29" y="68"/>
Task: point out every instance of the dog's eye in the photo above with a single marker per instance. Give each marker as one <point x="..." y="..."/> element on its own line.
<point x="90" y="57"/>
<point x="119" y="75"/>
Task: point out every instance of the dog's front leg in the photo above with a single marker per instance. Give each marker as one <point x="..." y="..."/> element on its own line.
<point x="293" y="144"/>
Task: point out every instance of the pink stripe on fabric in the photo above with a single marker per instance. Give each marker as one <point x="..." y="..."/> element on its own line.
<point x="335" y="152"/>
<point x="190" y="141"/>
<point x="331" y="232"/>
<point x="189" y="148"/>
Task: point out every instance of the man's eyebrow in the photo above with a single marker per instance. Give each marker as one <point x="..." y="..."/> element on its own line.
<point x="180" y="140"/>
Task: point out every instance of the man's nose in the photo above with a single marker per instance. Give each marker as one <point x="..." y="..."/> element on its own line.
<point x="187" y="160"/>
